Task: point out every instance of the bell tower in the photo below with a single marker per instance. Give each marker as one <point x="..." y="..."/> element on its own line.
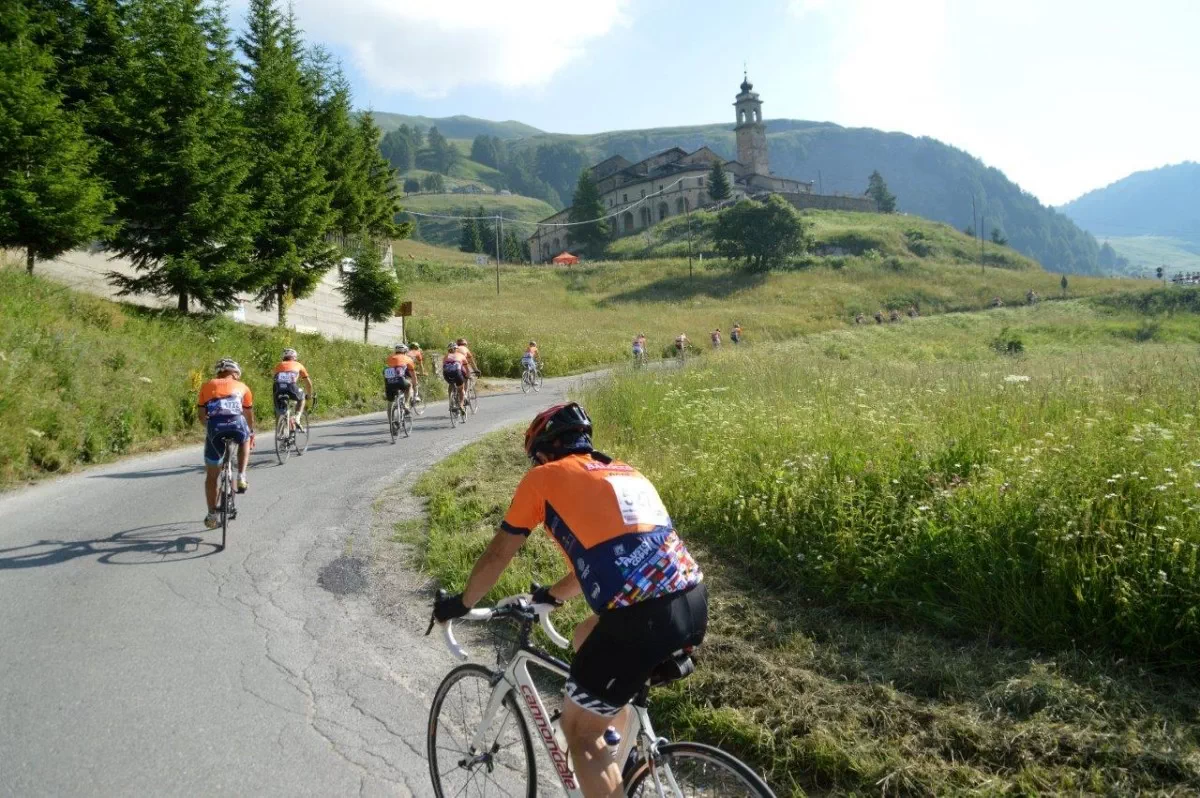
<point x="750" y="130"/>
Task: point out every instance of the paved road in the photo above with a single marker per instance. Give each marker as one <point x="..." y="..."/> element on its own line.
<point x="137" y="660"/>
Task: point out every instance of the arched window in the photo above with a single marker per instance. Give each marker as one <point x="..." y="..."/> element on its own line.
<point x="663" y="211"/>
<point x="741" y="116"/>
<point x="627" y="222"/>
<point x="645" y="214"/>
<point x="679" y="205"/>
<point x="757" y="114"/>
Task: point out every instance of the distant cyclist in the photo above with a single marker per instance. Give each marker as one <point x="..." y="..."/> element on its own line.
<point x="414" y="351"/>
<point x="288" y="373"/>
<point x="226" y="408"/>
<point x="400" y="375"/>
<point x="715" y="337"/>
<point x="529" y="360"/>
<point x="735" y="334"/>
<point x="681" y="344"/>
<point x="639" y="346"/>
<point x="463" y="349"/>
<point x="628" y="562"/>
<point x="454" y="372"/>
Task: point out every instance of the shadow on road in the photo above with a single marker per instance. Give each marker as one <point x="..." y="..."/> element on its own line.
<point x="151" y="473"/>
<point x="144" y="545"/>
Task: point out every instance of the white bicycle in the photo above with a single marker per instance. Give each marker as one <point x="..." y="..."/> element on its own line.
<point x="479" y="741"/>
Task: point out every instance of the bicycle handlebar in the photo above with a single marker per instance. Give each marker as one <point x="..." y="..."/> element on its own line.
<point x="525" y="599"/>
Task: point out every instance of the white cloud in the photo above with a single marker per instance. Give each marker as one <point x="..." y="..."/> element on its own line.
<point x="431" y="47"/>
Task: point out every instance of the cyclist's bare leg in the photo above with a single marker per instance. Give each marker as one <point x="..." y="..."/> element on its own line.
<point x="210" y="486"/>
<point x="599" y="776"/>
<point x="243" y="456"/>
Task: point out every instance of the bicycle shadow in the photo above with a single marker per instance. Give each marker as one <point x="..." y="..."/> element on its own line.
<point x="145" y="545"/>
<point x="152" y="473"/>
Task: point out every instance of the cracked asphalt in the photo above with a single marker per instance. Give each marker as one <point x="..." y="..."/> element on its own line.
<point x="137" y="659"/>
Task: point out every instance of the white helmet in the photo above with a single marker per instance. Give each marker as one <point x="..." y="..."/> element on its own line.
<point x="401" y="349"/>
<point x="288" y="354"/>
<point x="228" y="364"/>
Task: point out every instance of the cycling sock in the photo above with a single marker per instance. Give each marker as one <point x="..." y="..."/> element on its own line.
<point x="242" y="476"/>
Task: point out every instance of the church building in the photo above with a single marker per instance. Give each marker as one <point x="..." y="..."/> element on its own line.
<point x="640" y="195"/>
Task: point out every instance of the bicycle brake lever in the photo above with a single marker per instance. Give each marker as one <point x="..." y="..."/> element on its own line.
<point x="432" y="622"/>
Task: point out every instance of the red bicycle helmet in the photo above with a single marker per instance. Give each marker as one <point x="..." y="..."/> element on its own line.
<point x="552" y="423"/>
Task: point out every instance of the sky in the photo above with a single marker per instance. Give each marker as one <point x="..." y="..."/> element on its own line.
<point x="1064" y="96"/>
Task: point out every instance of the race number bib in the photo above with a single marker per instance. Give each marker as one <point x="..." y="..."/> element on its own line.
<point x="391" y="373"/>
<point x="227" y="406"/>
<point x="451" y="366"/>
<point x="639" y="501"/>
<point x="285" y="378"/>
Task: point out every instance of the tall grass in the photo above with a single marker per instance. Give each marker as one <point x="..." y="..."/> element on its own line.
<point x="1053" y="499"/>
<point x="83" y="380"/>
<point x="582" y="317"/>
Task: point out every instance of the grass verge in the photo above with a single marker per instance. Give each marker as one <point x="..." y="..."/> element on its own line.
<point x="84" y="380"/>
<point x="826" y="702"/>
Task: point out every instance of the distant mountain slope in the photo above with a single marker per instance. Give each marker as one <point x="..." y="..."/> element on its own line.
<point x="929" y="178"/>
<point x="458" y="127"/>
<point x="1161" y="202"/>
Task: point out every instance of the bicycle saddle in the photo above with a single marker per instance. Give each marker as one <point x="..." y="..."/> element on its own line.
<point x="679" y="666"/>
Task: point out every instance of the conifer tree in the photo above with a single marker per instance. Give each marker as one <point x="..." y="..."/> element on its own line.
<point x="468" y="236"/>
<point x="513" y="249"/>
<point x="287" y="181"/>
<point x="718" y="183"/>
<point x="381" y="202"/>
<point x="49" y="200"/>
<point x="371" y="291"/>
<point x="345" y="163"/>
<point x="487" y="233"/>
<point x="585" y="207"/>
<point x="178" y="160"/>
<point x="877" y="190"/>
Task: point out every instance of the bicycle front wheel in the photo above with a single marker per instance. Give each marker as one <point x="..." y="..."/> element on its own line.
<point x="505" y="764"/>
<point x="418" y="404"/>
<point x="281" y="438"/>
<point x="406" y="421"/>
<point x="537" y="382"/>
<point x="392" y="421"/>
<point x="300" y="436"/>
<point x="526" y="382"/>
<point x="686" y="769"/>
<point x="472" y="399"/>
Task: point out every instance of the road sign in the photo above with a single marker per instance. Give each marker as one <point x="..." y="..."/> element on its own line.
<point x="481" y="260"/>
<point x="405" y="309"/>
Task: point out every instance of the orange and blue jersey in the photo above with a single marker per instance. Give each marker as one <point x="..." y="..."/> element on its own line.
<point x="289" y="372"/>
<point x="225" y="397"/>
<point x="611" y="526"/>
<point x="399" y="367"/>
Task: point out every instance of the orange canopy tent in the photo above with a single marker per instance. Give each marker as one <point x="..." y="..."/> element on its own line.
<point x="565" y="258"/>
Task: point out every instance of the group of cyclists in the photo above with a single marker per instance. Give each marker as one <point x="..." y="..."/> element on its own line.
<point x="682" y="342"/>
<point x="627" y="560"/>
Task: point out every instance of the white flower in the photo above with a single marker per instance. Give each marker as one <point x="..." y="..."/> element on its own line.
<point x="922" y="508"/>
<point x="1110" y="495"/>
<point x="1016" y="378"/>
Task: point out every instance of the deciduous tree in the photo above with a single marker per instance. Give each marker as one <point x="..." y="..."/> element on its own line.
<point x="761" y="235"/>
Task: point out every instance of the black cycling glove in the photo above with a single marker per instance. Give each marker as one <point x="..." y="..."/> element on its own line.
<point x="542" y="595"/>
<point x="448" y="608"/>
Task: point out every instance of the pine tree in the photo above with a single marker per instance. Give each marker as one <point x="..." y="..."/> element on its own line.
<point x="487" y="233"/>
<point x="718" y="183"/>
<point x="340" y="151"/>
<point x="586" y="207"/>
<point x="397" y="148"/>
<point x="381" y="201"/>
<point x="370" y="290"/>
<point x="287" y="181"/>
<point x="468" y="236"/>
<point x="179" y="160"/>
<point x="877" y="190"/>
<point x="513" y="250"/>
<point x="49" y="200"/>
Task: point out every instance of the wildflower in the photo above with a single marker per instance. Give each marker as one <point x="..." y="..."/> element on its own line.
<point x="1110" y="495"/>
<point x="1016" y="378"/>
<point x="922" y="508"/>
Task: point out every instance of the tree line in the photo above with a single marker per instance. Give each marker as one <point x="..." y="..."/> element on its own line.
<point x="546" y="171"/>
<point x="217" y="166"/>
<point x="480" y="234"/>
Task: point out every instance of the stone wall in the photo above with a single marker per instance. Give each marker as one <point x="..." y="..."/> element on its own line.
<point x="831" y="202"/>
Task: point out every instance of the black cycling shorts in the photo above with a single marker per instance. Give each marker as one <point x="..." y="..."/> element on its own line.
<point x="627" y="645"/>
<point x="284" y="393"/>
<point x="454" y="377"/>
<point x="393" y="388"/>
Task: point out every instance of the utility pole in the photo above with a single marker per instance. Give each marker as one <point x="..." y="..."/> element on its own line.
<point x="982" y="224"/>
<point x="687" y="209"/>
<point x="820" y="185"/>
<point x="499" y="230"/>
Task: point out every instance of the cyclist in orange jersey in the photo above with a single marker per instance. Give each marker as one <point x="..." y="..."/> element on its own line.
<point x="626" y="560"/>
<point x="454" y="372"/>
<point x="226" y="408"/>
<point x="288" y="372"/>
<point x="400" y="375"/>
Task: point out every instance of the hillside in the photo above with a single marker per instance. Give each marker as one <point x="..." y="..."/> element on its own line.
<point x="1157" y="202"/>
<point x="929" y="178"/>
<point x="445" y="232"/>
<point x="457" y="127"/>
<point x="1145" y="253"/>
<point x="55" y="416"/>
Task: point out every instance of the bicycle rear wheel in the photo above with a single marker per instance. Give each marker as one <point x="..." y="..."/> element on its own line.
<point x="418" y="404"/>
<point x="507" y="765"/>
<point x="300" y="436"/>
<point x="281" y="438"/>
<point x="686" y="769"/>
<point x="472" y="398"/>
<point x="453" y="410"/>
<point x="226" y="500"/>
<point x="405" y="421"/>
<point x="537" y="381"/>
<point x="392" y="421"/>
